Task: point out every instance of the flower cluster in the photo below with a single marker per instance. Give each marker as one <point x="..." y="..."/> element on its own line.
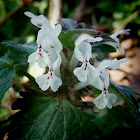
<point x="98" y="77"/>
<point x="48" y="55"/>
<point x="48" y="52"/>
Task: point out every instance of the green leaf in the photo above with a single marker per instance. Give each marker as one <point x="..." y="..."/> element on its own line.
<point x="6" y="76"/>
<point x="103" y="50"/>
<point x="115" y="122"/>
<point x="12" y="57"/>
<point x="67" y="38"/>
<point x="17" y="52"/>
<point x="130" y="100"/>
<point x="26" y="48"/>
<point x="43" y="117"/>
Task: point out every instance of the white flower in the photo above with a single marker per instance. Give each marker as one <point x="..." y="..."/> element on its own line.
<point x="84" y="71"/>
<point x="105" y="99"/>
<point x="82" y="40"/>
<point x="51" y="42"/>
<point x="39" y="56"/>
<point x="47" y="40"/>
<point x="83" y="54"/>
<point x="38" y="21"/>
<point x="50" y="79"/>
<point x="111" y="64"/>
<point x="86" y="74"/>
<point x="47" y="36"/>
<point x="116" y="44"/>
<point x="86" y="38"/>
<point x="105" y="65"/>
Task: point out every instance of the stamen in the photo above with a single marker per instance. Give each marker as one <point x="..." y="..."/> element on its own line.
<point x="39" y="24"/>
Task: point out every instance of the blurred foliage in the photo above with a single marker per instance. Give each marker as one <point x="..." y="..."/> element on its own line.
<point x="116" y="14"/>
<point x="15" y="29"/>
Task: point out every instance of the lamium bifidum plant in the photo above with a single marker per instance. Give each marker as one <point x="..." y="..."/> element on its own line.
<point x="76" y="62"/>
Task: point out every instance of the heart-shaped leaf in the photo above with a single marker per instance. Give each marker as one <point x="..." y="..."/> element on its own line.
<point x="48" y="118"/>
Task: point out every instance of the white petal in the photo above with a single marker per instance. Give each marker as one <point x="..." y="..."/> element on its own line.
<point x="111" y="64"/>
<point x="51" y="43"/>
<point x="118" y="42"/>
<point x="33" y="58"/>
<point x="97" y="39"/>
<point x="111" y="99"/>
<point x="103" y="65"/>
<point x="105" y="78"/>
<point x="38" y="21"/>
<point x="82" y="38"/>
<point x="91" y="78"/>
<point x="78" y="54"/>
<point x="100" y="101"/>
<point x="81" y="73"/>
<point x="57" y="29"/>
<point x="73" y="62"/>
<point x="116" y="63"/>
<point x="87" y="38"/>
<point x="43" y="81"/>
<point x="114" y="36"/>
<point x="29" y="14"/>
<point x="55" y="83"/>
<point x="113" y="44"/>
<point x="54" y="60"/>
<point x="41" y="35"/>
<point x="43" y="61"/>
<point x="96" y="82"/>
<point x="57" y="63"/>
<point x="92" y="71"/>
<point x="83" y="51"/>
<point x="120" y="32"/>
